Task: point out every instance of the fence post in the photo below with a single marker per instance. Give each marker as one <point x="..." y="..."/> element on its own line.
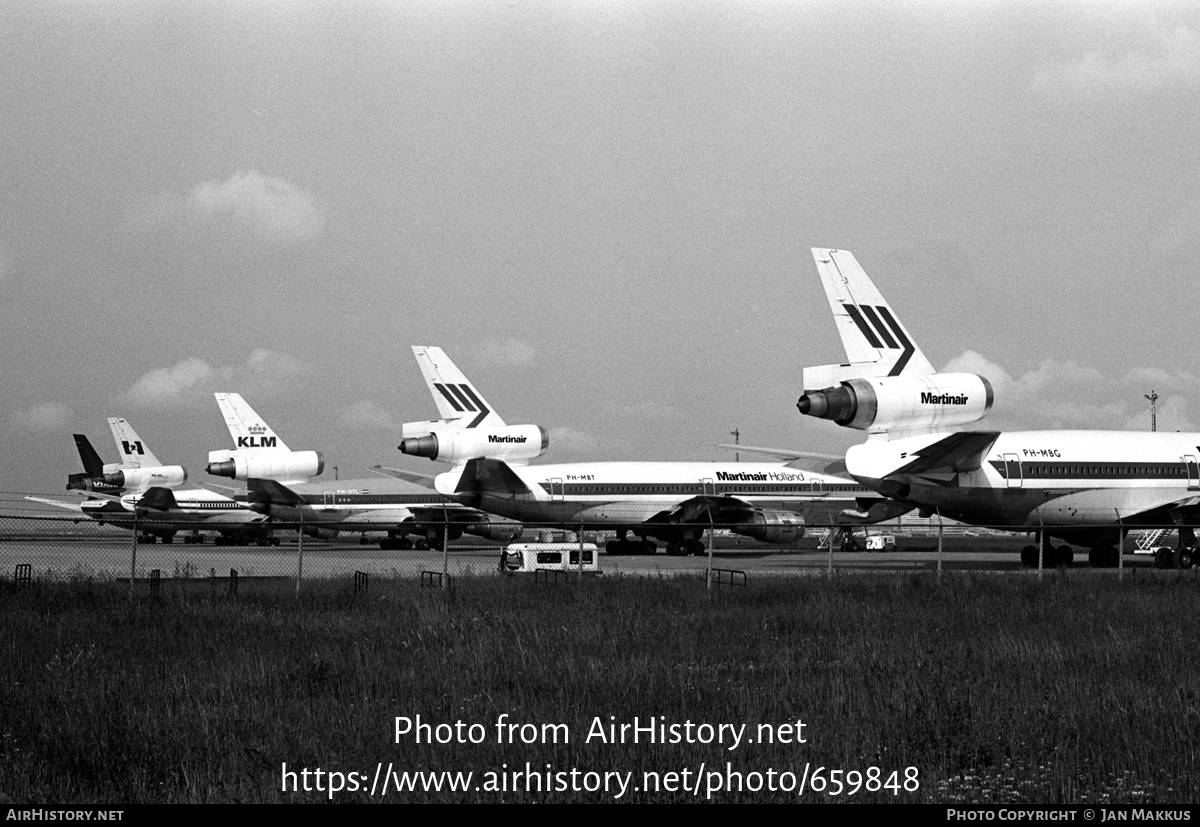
<point x="300" y="554"/>
<point x="445" y="547"/>
<point x="133" y="555"/>
<point x="939" y="559"/>
<point x="1120" y="549"/>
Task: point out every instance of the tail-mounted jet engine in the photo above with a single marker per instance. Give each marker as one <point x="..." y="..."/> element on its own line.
<point x="163" y="476"/>
<point x="292" y="465"/>
<point x="511" y="442"/>
<point x="934" y="401"/>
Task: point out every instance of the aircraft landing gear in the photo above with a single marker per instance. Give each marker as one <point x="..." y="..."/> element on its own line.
<point x="626" y="545"/>
<point x="1186" y="557"/>
<point x="1104" y="557"/>
<point x="1052" y="558"/>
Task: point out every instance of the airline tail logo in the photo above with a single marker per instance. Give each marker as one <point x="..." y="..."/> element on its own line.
<point x="131" y="448"/>
<point x="463" y="398"/>
<point x="256" y="442"/>
<point x="880" y="328"/>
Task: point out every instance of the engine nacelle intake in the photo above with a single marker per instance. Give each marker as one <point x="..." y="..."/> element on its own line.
<point x="934" y="401"/>
<point x="771" y="526"/>
<point x="293" y="466"/>
<point x="512" y="442"/>
<point x="496" y="529"/>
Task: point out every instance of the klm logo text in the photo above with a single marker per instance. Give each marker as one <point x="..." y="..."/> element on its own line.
<point x="256" y="442"/>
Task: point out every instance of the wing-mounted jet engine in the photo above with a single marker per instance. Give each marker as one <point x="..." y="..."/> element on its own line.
<point x="469" y="428"/>
<point x="258" y="451"/>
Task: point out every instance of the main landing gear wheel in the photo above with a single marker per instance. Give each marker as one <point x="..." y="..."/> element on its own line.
<point x="696" y="548"/>
<point x="676" y="548"/>
<point x="1185" y="557"/>
<point x="1029" y="557"/>
<point x="1104" y="557"/>
<point x="1164" y="558"/>
<point x="1063" y="557"/>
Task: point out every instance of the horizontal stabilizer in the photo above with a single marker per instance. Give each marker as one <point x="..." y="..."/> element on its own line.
<point x="953" y="454"/>
<point x="158" y="498"/>
<point x="271" y="492"/>
<point x="490" y="476"/>
<point x="402" y="474"/>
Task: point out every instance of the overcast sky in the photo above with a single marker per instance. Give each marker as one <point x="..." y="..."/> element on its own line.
<point x="601" y="210"/>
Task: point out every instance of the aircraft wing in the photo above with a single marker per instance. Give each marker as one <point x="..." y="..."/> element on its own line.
<point x="57" y="503"/>
<point x="823" y="463"/>
<point x="726" y="509"/>
<point x="401" y="474"/>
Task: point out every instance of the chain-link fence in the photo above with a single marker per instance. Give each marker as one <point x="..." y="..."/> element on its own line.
<point x="43" y="541"/>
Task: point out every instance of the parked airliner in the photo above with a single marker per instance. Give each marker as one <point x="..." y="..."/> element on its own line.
<point x="1082" y="487"/>
<point x="671" y="501"/>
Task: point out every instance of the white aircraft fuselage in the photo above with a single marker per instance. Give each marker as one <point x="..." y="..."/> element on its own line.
<point x="668" y="500"/>
<point x="1083" y="484"/>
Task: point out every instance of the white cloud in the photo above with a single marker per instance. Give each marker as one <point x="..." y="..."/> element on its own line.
<point x="271" y="210"/>
<point x="264" y="373"/>
<point x="1068" y="395"/>
<point x="1168" y="58"/>
<point x="167" y="386"/>
<point x="43" y="419"/>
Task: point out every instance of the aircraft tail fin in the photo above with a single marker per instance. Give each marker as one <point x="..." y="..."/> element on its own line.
<point x="134" y="451"/>
<point x="93" y="466"/>
<point x="876" y="343"/>
<point x="459" y="404"/>
<point x="250" y="433"/>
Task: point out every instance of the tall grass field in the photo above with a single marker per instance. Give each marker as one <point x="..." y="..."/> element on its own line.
<point x="1073" y="689"/>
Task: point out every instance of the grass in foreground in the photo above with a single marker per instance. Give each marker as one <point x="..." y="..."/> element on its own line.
<point x="997" y="689"/>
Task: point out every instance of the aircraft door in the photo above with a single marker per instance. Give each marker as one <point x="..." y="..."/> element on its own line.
<point x="1012" y="470"/>
<point x="708" y="488"/>
<point x="329" y="498"/>
<point x="1193" y="472"/>
<point x="556" y="489"/>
